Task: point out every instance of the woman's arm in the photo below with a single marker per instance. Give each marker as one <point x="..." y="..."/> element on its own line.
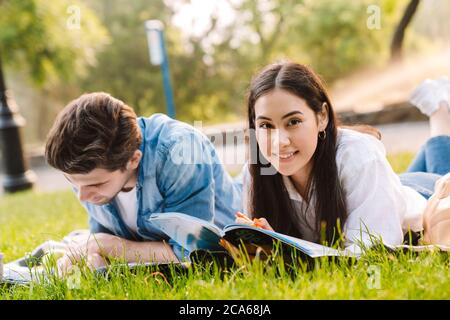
<point x="375" y="204"/>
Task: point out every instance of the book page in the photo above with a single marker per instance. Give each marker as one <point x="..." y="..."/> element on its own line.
<point x="17" y="274"/>
<point x="189" y="232"/>
<point x="310" y="248"/>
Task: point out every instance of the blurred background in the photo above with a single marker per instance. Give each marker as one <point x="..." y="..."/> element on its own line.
<point x="371" y="53"/>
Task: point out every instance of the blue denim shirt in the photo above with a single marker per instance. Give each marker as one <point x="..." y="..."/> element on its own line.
<point x="179" y="172"/>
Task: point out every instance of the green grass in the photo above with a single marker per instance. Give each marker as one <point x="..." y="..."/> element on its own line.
<point x="28" y="219"/>
<point x="400" y="161"/>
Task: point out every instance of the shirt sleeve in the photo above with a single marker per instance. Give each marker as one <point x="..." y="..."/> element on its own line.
<point x="97" y="227"/>
<point x="374" y="205"/>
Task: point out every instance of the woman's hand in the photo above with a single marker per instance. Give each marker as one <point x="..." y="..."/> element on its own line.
<point x="256" y="222"/>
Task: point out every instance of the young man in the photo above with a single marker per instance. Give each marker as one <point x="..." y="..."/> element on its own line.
<point x="125" y="168"/>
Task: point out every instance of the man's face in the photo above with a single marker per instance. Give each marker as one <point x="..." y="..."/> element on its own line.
<point x="100" y="186"/>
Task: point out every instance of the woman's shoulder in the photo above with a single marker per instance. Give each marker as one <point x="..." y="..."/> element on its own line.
<point x="356" y="148"/>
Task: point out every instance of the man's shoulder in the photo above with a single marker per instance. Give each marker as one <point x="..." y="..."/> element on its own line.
<point x="156" y="123"/>
<point x="162" y="131"/>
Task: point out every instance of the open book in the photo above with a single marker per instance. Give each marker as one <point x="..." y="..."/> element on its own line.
<point x="197" y="235"/>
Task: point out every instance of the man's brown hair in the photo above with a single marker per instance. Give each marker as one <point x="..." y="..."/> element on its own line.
<point x="94" y="131"/>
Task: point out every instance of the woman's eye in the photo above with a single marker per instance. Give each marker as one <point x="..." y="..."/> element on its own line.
<point x="265" y="125"/>
<point x="294" y="122"/>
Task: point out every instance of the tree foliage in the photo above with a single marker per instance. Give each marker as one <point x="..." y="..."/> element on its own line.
<point x="35" y="37"/>
<point x="210" y="70"/>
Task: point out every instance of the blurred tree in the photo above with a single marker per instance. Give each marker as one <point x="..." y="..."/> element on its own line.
<point x="28" y="37"/>
<point x="48" y="45"/>
<point x="269" y="21"/>
<point x="50" y="39"/>
<point x="210" y="69"/>
<point x="123" y="70"/>
<point x="201" y="91"/>
<point x="399" y="34"/>
<point x="336" y="37"/>
<point x="332" y="36"/>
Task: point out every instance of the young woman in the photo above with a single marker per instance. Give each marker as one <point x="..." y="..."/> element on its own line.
<point x="329" y="179"/>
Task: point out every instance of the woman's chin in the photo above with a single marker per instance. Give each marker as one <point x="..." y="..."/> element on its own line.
<point x="286" y="170"/>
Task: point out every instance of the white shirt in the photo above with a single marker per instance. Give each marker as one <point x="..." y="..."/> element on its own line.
<point x="127" y="205"/>
<point x="377" y="203"/>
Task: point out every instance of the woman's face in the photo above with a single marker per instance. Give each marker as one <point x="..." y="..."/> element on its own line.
<point x="287" y="131"/>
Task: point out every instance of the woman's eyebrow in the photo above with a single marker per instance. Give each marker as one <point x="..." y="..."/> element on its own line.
<point x="291" y="113"/>
<point x="263" y="118"/>
<point x="285" y="116"/>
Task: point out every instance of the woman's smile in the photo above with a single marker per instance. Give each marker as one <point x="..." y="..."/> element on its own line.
<point x="285" y="157"/>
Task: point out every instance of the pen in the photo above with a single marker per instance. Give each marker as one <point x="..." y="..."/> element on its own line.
<point x="254" y="222"/>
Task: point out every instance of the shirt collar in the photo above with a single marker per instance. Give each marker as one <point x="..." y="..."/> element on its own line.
<point x="293" y="193"/>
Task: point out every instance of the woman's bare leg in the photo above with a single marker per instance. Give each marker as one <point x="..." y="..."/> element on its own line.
<point x="440" y="121"/>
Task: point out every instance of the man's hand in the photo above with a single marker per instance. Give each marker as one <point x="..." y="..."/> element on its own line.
<point x="93" y="249"/>
<point x="97" y="248"/>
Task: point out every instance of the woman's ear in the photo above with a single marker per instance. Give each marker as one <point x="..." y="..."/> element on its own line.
<point x="323" y="117"/>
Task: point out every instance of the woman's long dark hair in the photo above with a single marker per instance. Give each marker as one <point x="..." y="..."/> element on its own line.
<point x="268" y="196"/>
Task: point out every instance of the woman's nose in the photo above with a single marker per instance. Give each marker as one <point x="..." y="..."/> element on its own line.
<point x="280" y="139"/>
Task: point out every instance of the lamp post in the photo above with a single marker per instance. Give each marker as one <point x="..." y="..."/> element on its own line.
<point x="16" y="174"/>
<point x="159" y="57"/>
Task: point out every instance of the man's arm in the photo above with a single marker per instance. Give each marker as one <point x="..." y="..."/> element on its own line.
<point x="137" y="251"/>
<point x="98" y="248"/>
